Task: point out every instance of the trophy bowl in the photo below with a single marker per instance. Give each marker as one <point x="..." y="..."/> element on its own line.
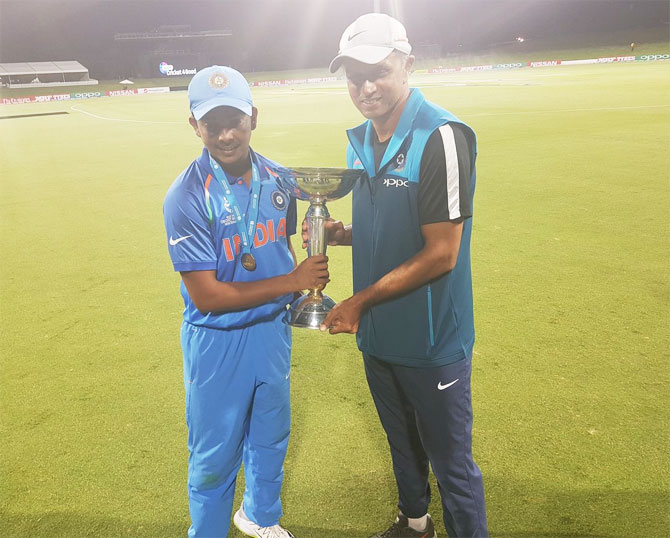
<point x="316" y="185"/>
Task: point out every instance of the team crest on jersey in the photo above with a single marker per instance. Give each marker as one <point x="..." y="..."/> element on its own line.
<point x="279" y="200"/>
<point x="399" y="162"/>
<point x="218" y="80"/>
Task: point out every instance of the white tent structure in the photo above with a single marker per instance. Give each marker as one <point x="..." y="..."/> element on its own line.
<point x="37" y="74"/>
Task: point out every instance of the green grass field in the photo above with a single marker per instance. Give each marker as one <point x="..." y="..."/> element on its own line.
<point x="570" y="261"/>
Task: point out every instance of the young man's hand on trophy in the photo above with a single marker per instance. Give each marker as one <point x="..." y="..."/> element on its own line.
<point x="311" y="273"/>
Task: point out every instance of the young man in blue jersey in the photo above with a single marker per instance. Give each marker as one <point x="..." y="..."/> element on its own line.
<point x="228" y="227"/>
<point x="412" y="302"/>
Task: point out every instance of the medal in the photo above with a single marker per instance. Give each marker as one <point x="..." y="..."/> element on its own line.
<point x="246" y="228"/>
<point x="248" y="261"/>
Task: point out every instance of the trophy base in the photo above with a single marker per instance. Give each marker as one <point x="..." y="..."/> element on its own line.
<point x="308" y="311"/>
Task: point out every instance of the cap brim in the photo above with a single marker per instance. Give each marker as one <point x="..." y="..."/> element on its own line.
<point x="202" y="109"/>
<point x="367" y="54"/>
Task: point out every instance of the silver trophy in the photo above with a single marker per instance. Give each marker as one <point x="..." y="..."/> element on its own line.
<point x="317" y="185"/>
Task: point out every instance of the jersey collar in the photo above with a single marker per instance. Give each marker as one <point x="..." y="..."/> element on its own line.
<point x="203" y="162"/>
<point x="365" y="131"/>
<point x="402" y="130"/>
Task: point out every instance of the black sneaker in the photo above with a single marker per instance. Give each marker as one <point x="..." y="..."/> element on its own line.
<point x="401" y="528"/>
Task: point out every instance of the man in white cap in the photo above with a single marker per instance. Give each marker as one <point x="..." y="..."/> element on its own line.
<point x="228" y="226"/>
<point x="412" y="302"/>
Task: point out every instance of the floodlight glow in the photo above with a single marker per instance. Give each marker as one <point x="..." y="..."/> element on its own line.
<point x="520" y="39"/>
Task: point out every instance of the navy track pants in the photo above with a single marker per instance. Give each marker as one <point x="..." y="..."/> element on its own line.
<point x="427" y="416"/>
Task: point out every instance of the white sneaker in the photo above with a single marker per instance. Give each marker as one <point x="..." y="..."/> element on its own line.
<point x="250" y="528"/>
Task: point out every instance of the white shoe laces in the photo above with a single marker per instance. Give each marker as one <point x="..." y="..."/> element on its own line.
<point x="273" y="532"/>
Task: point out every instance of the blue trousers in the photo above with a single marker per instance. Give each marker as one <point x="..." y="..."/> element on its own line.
<point x="237" y="410"/>
<point x="427" y="416"/>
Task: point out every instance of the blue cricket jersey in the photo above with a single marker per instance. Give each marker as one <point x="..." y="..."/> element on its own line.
<point x="203" y="235"/>
<point x="432" y="325"/>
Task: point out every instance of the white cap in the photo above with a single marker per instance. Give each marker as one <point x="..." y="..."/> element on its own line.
<point x="370" y="39"/>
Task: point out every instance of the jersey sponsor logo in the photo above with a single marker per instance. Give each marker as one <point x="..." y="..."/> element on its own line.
<point x="178" y="240"/>
<point x="279" y="200"/>
<point x="264" y="233"/>
<point x="440" y="386"/>
<point x="395" y="182"/>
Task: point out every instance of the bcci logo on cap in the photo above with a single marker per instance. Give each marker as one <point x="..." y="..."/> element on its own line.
<point x="218" y="81"/>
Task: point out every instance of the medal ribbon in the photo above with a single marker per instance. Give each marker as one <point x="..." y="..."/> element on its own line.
<point x="247" y="232"/>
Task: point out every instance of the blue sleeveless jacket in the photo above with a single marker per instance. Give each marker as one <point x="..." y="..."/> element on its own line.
<point x="433" y="325"/>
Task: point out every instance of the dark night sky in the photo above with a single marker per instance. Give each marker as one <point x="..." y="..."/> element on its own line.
<point x="285" y="34"/>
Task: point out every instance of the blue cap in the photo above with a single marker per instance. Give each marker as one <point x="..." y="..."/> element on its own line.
<point x="218" y="86"/>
